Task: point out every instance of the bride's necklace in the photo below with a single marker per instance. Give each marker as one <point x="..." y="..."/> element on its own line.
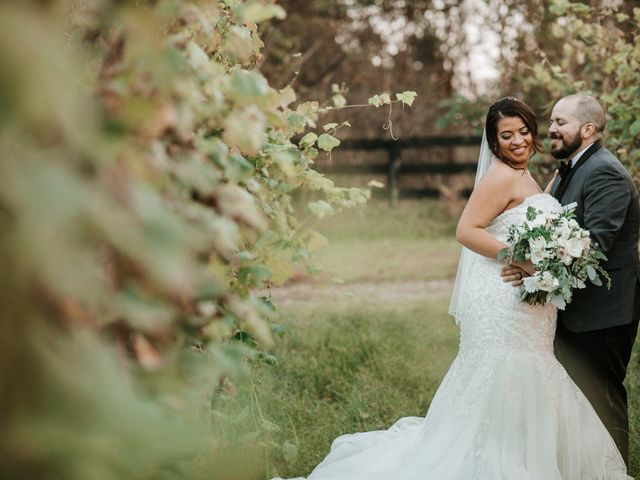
<point x="509" y="164"/>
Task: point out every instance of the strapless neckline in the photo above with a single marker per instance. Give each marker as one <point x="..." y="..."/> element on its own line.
<point x="525" y="201"/>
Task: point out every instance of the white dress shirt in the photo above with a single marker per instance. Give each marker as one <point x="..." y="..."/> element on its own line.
<point x="577" y="156"/>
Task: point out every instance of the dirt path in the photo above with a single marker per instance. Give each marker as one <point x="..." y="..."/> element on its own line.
<point x="385" y="292"/>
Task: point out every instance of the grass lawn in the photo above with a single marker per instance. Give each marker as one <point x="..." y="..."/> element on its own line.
<point x="413" y="241"/>
<point x="342" y="371"/>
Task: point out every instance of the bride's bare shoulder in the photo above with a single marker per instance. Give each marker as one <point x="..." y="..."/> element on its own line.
<point x="499" y="175"/>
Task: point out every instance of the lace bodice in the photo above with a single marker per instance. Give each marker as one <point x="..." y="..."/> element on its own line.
<point x="492" y="315"/>
<point x="499" y="226"/>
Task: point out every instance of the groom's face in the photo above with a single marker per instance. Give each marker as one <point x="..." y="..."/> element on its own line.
<point x="564" y="130"/>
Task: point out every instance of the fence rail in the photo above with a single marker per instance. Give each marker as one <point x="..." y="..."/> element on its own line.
<point x="394" y="167"/>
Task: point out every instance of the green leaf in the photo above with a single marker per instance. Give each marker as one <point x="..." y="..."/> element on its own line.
<point x="307" y="108"/>
<point x="406" y="97"/>
<point x="329" y="126"/>
<point x="327" y="142"/>
<point x="255" y="275"/>
<point x="503" y="254"/>
<point x="296" y="121"/>
<point x="379" y="100"/>
<point x="269" y="360"/>
<point x="285" y="161"/>
<point x="338" y="100"/>
<point x="247" y="86"/>
<point x="559" y="7"/>
<point x="599" y="255"/>
<point x="245" y="129"/>
<point x="558" y="301"/>
<point x="591" y="272"/>
<point x="259" y="12"/>
<point x="278" y="329"/>
<point x="308" y="140"/>
<point x="320" y="208"/>
<point x="238" y="44"/>
<point x="580" y="8"/>
<point x="634" y="128"/>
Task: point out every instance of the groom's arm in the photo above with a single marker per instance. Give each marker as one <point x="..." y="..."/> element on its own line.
<point x="606" y="199"/>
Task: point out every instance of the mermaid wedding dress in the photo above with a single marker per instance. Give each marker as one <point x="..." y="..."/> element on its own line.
<point x="506" y="409"/>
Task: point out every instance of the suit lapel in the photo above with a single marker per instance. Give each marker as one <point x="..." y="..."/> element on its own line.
<point x="556" y="184"/>
<point x="562" y="186"/>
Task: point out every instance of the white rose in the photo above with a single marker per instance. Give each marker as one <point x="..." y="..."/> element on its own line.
<point x="573" y="223"/>
<point x="537" y="243"/>
<point x="537" y="246"/>
<point x="541" y="281"/>
<point x="562" y="241"/>
<point x="586" y="244"/>
<point x="538" y="256"/>
<point x="575" y="247"/>
<point x="564" y="256"/>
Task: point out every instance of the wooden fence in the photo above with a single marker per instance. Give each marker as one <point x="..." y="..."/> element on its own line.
<point x="394" y="167"/>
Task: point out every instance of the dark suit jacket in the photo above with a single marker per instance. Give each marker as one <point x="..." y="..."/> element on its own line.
<point x="608" y="207"/>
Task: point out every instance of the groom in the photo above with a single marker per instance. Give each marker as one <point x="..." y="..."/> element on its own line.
<point x="596" y="331"/>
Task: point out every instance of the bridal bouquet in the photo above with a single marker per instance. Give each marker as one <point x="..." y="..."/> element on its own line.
<point x="562" y="252"/>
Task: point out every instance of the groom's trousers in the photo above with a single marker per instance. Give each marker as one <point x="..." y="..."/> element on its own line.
<point x="597" y="362"/>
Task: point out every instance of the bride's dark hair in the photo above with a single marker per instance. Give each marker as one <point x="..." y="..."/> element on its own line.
<point x="510" y="107"/>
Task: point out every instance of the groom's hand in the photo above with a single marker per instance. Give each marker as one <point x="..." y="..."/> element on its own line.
<point x="513" y="275"/>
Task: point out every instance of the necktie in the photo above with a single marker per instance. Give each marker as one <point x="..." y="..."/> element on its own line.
<point x="564" y="168"/>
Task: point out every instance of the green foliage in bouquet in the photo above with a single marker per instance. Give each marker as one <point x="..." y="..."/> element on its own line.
<point x="560" y="250"/>
<point x="146" y="177"/>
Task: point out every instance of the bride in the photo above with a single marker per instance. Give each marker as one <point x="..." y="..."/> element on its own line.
<point x="506" y="409"/>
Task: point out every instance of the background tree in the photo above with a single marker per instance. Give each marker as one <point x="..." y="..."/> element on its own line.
<point x="360" y="47"/>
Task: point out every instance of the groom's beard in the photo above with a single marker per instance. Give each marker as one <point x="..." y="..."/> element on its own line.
<point x="567" y="147"/>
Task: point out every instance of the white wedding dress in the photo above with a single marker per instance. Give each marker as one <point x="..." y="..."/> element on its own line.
<point x="506" y="409"/>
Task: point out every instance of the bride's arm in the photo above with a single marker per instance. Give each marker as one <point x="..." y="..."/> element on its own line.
<point x="488" y="199"/>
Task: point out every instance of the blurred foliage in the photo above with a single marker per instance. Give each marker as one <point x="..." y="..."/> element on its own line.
<point x="567" y="47"/>
<point x="459" y="109"/>
<point x="593" y="48"/>
<point x="146" y="177"/>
